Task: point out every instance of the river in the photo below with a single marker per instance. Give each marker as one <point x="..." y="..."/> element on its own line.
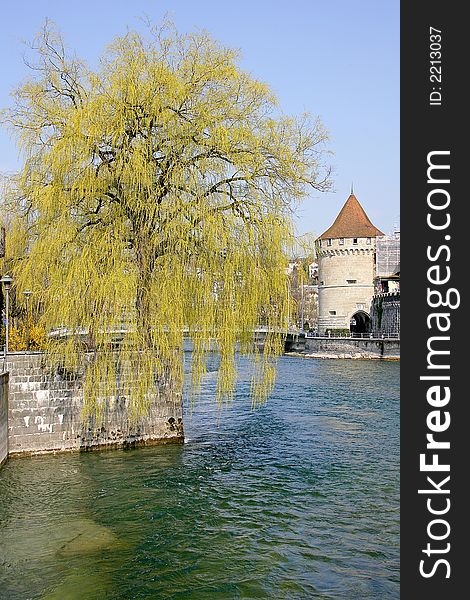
<point x="297" y="499"/>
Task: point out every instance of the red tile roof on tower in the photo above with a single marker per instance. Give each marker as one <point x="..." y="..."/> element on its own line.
<point x="351" y="222"/>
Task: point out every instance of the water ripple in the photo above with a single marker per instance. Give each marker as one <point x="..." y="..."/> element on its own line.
<point x="295" y="500"/>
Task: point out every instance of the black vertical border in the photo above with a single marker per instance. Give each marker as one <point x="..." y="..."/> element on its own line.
<point x="426" y="128"/>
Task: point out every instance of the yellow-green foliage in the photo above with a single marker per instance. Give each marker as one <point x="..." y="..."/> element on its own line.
<point x="156" y="193"/>
<point x="17" y="339"/>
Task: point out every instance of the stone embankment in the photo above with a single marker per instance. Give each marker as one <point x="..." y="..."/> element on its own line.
<point x="353" y="348"/>
<point x="41" y="411"/>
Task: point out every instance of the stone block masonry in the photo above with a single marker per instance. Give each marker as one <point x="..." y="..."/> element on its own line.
<point x="323" y="347"/>
<point x="385" y="314"/>
<point x="45" y="405"/>
<point x="3" y="417"/>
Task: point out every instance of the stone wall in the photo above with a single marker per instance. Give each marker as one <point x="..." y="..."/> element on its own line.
<point x="352" y="348"/>
<point x="44" y="413"/>
<point x="3" y="416"/>
<point x="385" y="314"/>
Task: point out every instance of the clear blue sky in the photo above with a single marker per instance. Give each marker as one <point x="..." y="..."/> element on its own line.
<point x="338" y="59"/>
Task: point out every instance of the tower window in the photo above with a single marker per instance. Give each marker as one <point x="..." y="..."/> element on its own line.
<point x="332" y="312"/>
<point x="354" y="240"/>
<point x="341" y="241"/>
<point x="351" y="280"/>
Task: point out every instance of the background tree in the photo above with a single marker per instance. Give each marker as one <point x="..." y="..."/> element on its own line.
<point x="156" y="191"/>
<point x="302" y="281"/>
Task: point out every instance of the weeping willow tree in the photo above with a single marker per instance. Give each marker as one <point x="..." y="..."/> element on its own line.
<point x="154" y="202"/>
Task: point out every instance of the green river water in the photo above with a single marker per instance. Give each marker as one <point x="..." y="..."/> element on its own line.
<point x="297" y="499"/>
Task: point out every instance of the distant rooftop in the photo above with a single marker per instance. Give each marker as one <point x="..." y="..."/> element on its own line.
<point x="351" y="222"/>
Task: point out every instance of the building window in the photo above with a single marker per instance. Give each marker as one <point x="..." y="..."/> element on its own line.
<point x="351" y="280"/>
<point x="329" y="242"/>
<point x="369" y="241"/>
<point x="341" y="241"/>
<point x="322" y="283"/>
<point x="354" y="240"/>
<point x="332" y="312"/>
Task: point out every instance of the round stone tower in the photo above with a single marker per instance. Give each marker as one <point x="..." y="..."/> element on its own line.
<point x="346" y="270"/>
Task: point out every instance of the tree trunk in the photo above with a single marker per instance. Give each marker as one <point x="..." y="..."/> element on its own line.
<point x="145" y="264"/>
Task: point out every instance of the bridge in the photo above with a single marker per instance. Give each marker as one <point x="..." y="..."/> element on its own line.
<point x="294" y="339"/>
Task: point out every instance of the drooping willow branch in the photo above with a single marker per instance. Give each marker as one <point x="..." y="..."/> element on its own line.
<point x="159" y="192"/>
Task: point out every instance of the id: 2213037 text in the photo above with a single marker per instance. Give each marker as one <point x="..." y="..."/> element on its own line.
<point x="435" y="66"/>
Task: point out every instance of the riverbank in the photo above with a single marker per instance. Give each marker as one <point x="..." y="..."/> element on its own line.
<point x="352" y="348"/>
<point x="351" y="356"/>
